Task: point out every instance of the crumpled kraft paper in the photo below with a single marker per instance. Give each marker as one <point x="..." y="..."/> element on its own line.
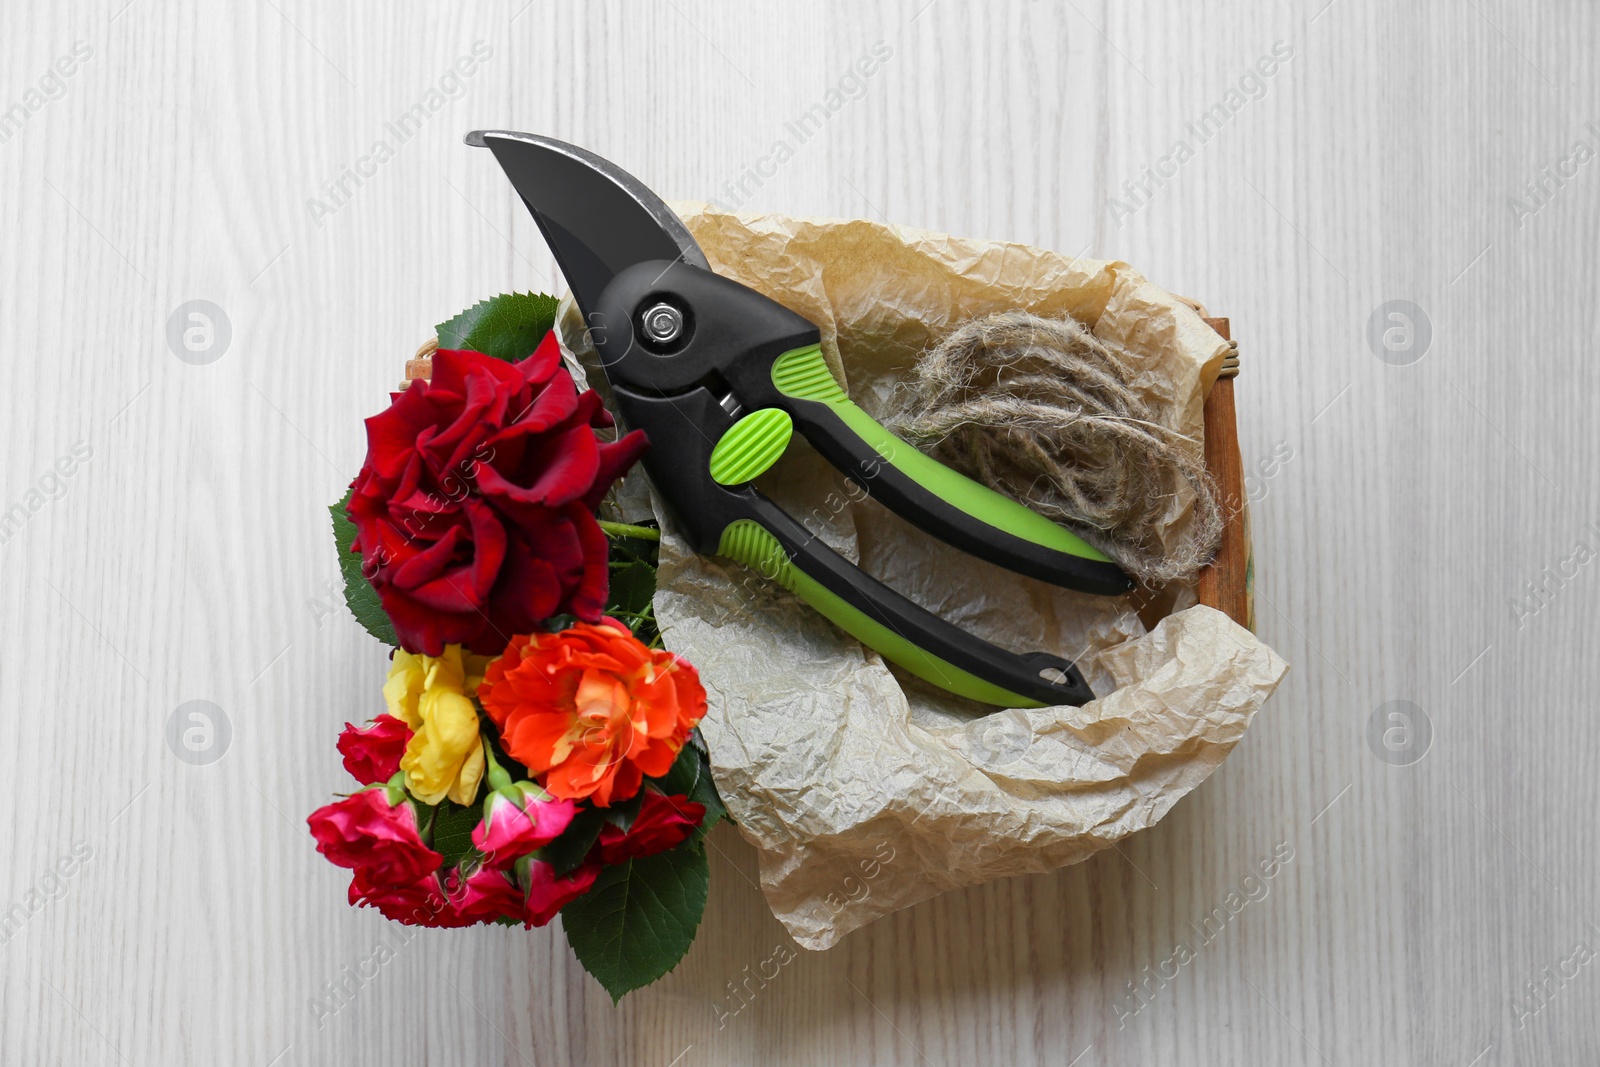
<point x="866" y="790"/>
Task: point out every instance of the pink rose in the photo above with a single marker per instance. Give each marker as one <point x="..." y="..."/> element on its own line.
<point x="663" y="822"/>
<point x="372" y="753"/>
<point x="486" y="896"/>
<point x="371" y="832"/>
<point x="419" y="903"/>
<point x="513" y="828"/>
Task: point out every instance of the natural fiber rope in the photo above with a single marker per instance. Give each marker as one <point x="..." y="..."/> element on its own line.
<point x="1041" y="410"/>
<point x="421" y="364"/>
<point x="1230" y="362"/>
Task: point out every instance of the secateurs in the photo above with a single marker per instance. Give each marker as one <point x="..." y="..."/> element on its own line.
<point x="719" y="377"/>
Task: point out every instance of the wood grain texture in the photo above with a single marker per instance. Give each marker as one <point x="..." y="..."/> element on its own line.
<point x="1401" y="507"/>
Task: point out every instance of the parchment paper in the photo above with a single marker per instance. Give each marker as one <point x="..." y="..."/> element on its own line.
<point x="867" y="790"/>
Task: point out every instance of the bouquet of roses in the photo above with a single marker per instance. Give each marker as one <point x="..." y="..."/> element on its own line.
<point x="538" y="754"/>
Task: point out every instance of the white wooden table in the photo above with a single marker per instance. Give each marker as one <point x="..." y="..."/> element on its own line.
<point x="1412" y="478"/>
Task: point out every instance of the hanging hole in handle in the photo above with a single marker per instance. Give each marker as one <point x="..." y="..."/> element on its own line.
<point x="1061" y="675"/>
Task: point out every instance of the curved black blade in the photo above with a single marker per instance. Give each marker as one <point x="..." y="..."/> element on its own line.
<point x="598" y="219"/>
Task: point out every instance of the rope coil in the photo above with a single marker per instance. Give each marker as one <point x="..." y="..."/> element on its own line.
<point x="1042" y="411"/>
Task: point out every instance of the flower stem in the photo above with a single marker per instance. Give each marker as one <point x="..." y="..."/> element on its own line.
<point x="623" y="529"/>
<point x="498" y="778"/>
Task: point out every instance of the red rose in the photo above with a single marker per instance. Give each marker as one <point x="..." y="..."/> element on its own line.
<point x="662" y="823"/>
<point x="372" y="753"/>
<point x="474" y="511"/>
<point x="366" y="832"/>
<point x="549" y="892"/>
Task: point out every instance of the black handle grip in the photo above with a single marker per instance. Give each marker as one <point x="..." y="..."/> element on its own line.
<point x="743" y="524"/>
<point x="950" y="506"/>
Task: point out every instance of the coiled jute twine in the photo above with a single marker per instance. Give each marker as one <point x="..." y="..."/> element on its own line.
<point x="1041" y="410"/>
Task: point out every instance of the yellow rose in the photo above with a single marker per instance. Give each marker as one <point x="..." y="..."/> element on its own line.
<point x="433" y="695"/>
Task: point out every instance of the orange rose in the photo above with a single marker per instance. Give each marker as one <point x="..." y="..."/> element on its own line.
<point x="591" y="711"/>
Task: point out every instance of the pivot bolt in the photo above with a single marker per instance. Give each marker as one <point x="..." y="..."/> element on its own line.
<point x="663" y="323"/>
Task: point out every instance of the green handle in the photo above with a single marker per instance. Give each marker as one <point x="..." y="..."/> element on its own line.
<point x="747" y="542"/>
<point x="934" y="497"/>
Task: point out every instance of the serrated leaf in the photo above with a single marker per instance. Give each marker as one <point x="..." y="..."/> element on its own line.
<point x="705" y="792"/>
<point x="452" y="830"/>
<point x="622" y="813"/>
<point x="626" y="549"/>
<point x="569" y="849"/>
<point x="359" y="595"/>
<point x="640" y="917"/>
<point x="682" y="775"/>
<point x="632" y="587"/>
<point x="690" y="776"/>
<point x="509" y="326"/>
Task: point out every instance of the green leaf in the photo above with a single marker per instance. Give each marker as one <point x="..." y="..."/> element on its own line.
<point x="640" y="917"/>
<point x="452" y="830"/>
<point x="509" y="326"/>
<point x="682" y="775"/>
<point x="632" y="587"/>
<point x="569" y="849"/>
<point x="627" y="549"/>
<point x="704" y="792"/>
<point x="622" y="813"/>
<point x="690" y="776"/>
<point x="358" y="592"/>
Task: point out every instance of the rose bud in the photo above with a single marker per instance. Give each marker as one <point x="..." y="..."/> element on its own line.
<point x="519" y="819"/>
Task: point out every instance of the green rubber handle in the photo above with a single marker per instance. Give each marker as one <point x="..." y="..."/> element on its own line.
<point x="936" y="498"/>
<point x="747" y="542"/>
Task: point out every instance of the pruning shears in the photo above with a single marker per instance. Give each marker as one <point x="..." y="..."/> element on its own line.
<point x="719" y="377"/>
